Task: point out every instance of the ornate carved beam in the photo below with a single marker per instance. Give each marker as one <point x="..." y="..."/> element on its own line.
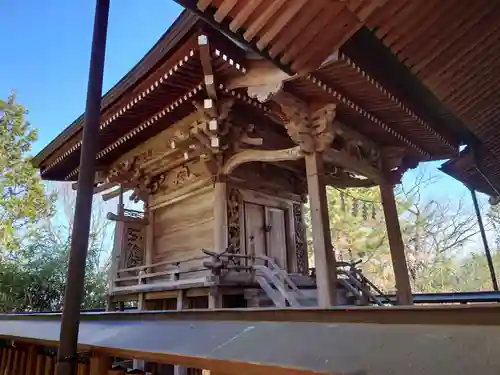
<point x="247" y="156"/>
<point x="314" y="129"/>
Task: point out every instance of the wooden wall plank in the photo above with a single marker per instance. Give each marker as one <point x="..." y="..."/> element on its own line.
<point x="184" y="228"/>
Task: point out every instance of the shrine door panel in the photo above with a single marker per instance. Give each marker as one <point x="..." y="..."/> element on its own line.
<point x="255" y="237"/>
<point x="276" y="235"/>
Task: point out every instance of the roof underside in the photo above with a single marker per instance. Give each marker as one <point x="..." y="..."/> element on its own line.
<point x="297" y="36"/>
<point x="170" y="82"/>
<point x="452" y="48"/>
<point x="245" y="340"/>
<point x="406" y="75"/>
<point x="484" y="177"/>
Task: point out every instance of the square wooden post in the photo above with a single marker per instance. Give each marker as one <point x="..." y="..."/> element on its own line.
<point x="403" y="287"/>
<point x="324" y="257"/>
<point x="150" y="236"/>
<point x="70" y="318"/>
<point x="99" y="364"/>
<point x="220" y="217"/>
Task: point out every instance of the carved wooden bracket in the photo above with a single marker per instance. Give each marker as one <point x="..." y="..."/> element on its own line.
<point x="247" y="156"/>
<point x="312" y="129"/>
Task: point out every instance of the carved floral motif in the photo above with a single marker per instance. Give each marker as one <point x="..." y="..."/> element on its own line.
<point x="134" y="246"/>
<point x="300" y="240"/>
<point x="311" y="130"/>
<point x="234" y="202"/>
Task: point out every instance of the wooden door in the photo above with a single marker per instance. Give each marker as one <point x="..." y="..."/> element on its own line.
<point x="255" y="238"/>
<point x="276" y="235"/>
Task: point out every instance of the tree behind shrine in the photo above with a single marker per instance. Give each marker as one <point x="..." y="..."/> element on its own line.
<point x="34" y="244"/>
<point x="23" y="199"/>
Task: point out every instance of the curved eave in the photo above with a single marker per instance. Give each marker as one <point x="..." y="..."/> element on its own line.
<point x="296" y="37"/>
<point x="160" y="98"/>
<point x="464" y="168"/>
<point x="183" y="26"/>
<point x="457" y="63"/>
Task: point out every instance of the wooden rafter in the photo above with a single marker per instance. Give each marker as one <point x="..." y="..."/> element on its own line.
<point x="206" y="63"/>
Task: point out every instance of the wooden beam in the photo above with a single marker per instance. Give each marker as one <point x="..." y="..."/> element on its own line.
<point x="324" y="257"/>
<point x="403" y="287"/>
<point x="115" y="193"/>
<point x="247" y="156"/>
<point x="343" y="159"/>
<point x="206" y="63"/>
<point x="99" y="188"/>
<point x="349" y="182"/>
<point x="126" y="219"/>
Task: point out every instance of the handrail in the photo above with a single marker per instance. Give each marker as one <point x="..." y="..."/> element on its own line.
<point x="164" y="263"/>
<point x="161" y="273"/>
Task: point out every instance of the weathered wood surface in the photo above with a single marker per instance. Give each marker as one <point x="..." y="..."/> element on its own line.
<point x="248" y="347"/>
<point x="182" y="229"/>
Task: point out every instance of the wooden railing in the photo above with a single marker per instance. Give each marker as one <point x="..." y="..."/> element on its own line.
<point x="263" y="269"/>
<point x="171" y="274"/>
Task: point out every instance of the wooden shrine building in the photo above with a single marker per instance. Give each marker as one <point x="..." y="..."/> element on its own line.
<point x="223" y="148"/>
<point x="240" y="114"/>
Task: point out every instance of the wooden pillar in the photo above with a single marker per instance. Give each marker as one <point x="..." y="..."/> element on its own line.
<point x="180" y="370"/>
<point x="21" y="367"/>
<point x="70" y="318"/>
<point x="49" y="365"/>
<point x="83" y="369"/>
<point x="117" y="244"/>
<point x="215" y="298"/>
<point x="220" y="217"/>
<point x="403" y="287"/>
<point x="99" y="364"/>
<point x="118" y="370"/>
<point x="150" y="236"/>
<point x="324" y="257"/>
<point x="3" y="359"/>
<point x="487" y="251"/>
<point x="31" y="358"/>
<point x="8" y="362"/>
<point x="40" y="364"/>
<point x="15" y="361"/>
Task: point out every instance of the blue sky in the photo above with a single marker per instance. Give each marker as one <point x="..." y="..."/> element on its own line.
<point x="45" y="58"/>
<point x="46" y="50"/>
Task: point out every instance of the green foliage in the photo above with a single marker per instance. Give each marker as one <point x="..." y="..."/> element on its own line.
<point x="435" y="234"/>
<point x="23" y="200"/>
<point x="33" y="250"/>
<point x="33" y="278"/>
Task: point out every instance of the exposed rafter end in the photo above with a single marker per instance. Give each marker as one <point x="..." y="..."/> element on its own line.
<point x="126" y="219"/>
<point x="344" y="100"/>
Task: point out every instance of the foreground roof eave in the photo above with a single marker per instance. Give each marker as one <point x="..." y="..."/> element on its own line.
<point x="181" y="26"/>
<point x="332" y="341"/>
